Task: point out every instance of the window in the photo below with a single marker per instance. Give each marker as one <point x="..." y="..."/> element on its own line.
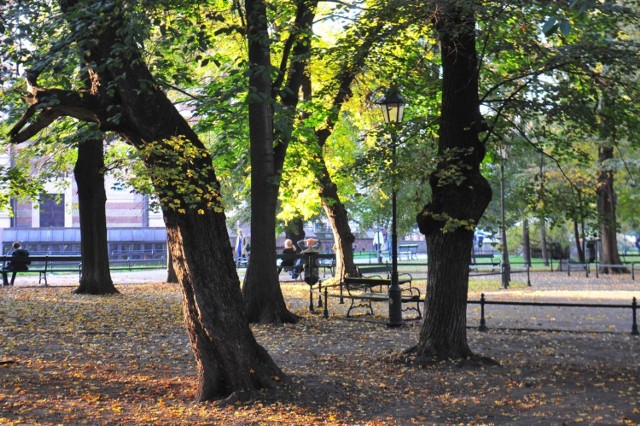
<point x="51" y="210"/>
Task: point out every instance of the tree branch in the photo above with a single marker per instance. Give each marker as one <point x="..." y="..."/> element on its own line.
<point x="47" y="105"/>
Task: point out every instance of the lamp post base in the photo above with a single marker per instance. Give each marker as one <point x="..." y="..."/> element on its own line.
<point x="395" y="306"/>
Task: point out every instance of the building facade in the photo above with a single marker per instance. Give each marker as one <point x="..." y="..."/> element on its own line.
<point x="51" y="225"/>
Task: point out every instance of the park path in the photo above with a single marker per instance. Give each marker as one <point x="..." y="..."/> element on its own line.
<point x="555" y="287"/>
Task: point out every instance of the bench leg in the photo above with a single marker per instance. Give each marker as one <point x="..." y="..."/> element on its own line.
<point x="311" y="299"/>
<point x="364" y="303"/>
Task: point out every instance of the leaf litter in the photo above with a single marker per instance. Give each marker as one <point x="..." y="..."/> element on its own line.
<point x="126" y="358"/>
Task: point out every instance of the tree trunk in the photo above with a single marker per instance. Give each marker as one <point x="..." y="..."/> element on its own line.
<point x="339" y="220"/>
<point x="526" y="242"/>
<point x="455" y="208"/>
<point x="263" y="299"/>
<point x="607" y="215"/>
<point x="295" y="230"/>
<point x="172" y="277"/>
<point x="328" y="191"/>
<point x="543" y="241"/>
<point x="579" y="241"/>
<point x="125" y="99"/>
<point x="92" y="197"/>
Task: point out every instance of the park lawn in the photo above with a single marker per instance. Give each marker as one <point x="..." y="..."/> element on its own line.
<point x="126" y="359"/>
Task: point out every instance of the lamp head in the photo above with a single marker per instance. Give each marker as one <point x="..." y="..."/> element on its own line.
<point x="392" y="105"/>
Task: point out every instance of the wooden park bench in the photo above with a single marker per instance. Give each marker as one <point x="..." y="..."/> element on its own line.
<point x="483" y="262"/>
<point x="362" y="292"/>
<point x="410" y="251"/>
<point x="46" y="264"/>
<point x="324" y="261"/>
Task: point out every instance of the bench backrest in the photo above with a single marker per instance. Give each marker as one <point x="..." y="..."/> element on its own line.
<point x="366" y="284"/>
<point x="320" y="257"/>
<point x="375" y="269"/>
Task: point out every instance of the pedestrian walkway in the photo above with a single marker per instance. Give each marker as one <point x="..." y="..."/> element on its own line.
<point x="554" y="287"/>
<point x="557" y="287"/>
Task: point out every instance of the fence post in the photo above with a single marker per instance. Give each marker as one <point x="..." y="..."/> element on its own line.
<point x="586" y="270"/>
<point x="597" y="276"/>
<point x="311" y="297"/>
<point x="634" y="326"/>
<point x="483" y="323"/>
<point x="325" y="311"/>
<point x="633" y="273"/>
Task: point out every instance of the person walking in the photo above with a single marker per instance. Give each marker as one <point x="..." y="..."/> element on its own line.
<point x="378" y="241"/>
<point x="239" y="243"/>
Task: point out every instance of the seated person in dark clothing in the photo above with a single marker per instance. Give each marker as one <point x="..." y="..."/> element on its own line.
<point x="19" y="261"/>
<point x="287" y="264"/>
<point x="310" y="245"/>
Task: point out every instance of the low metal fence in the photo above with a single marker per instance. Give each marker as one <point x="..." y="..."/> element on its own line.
<point x="483" y="302"/>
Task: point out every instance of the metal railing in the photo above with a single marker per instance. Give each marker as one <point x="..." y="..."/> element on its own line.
<point x="483" y="302"/>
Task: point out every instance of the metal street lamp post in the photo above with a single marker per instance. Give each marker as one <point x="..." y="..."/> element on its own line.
<point x="392" y="106"/>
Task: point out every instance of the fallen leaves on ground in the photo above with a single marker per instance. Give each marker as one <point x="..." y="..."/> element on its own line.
<point x="125" y="359"/>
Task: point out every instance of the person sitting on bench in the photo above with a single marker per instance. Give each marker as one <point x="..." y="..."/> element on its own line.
<point x="287" y="264"/>
<point x="310" y="245"/>
<point x="18" y="263"/>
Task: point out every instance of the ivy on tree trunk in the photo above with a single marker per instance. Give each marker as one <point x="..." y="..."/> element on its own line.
<point x="457" y="203"/>
<point x="125" y="99"/>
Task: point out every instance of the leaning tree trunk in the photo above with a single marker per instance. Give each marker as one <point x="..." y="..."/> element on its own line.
<point x="339" y="221"/>
<point x="125" y="99"/>
<point x="92" y="197"/>
<point x="263" y="299"/>
<point x="607" y="215"/>
<point x="328" y="190"/>
<point x="230" y="362"/>
<point x="455" y="208"/>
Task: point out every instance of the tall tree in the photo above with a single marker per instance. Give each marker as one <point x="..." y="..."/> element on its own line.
<point x="124" y="98"/>
<point x="92" y="198"/>
<point x="262" y="295"/>
<point x="460" y="194"/>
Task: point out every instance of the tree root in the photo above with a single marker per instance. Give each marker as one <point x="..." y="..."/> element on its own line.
<point x="234" y="398"/>
<point x="431" y="357"/>
<point x="246" y="395"/>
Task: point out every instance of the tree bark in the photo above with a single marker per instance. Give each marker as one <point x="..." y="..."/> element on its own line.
<point x="579" y="241"/>
<point x="172" y="277"/>
<point x="455" y="208"/>
<point x="543" y="241"/>
<point x="263" y="299"/>
<point x="607" y="215"/>
<point x="526" y="242"/>
<point x="295" y="230"/>
<point x="92" y="197"/>
<point x="339" y="221"/>
<point x="328" y="190"/>
<point x="124" y="98"/>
